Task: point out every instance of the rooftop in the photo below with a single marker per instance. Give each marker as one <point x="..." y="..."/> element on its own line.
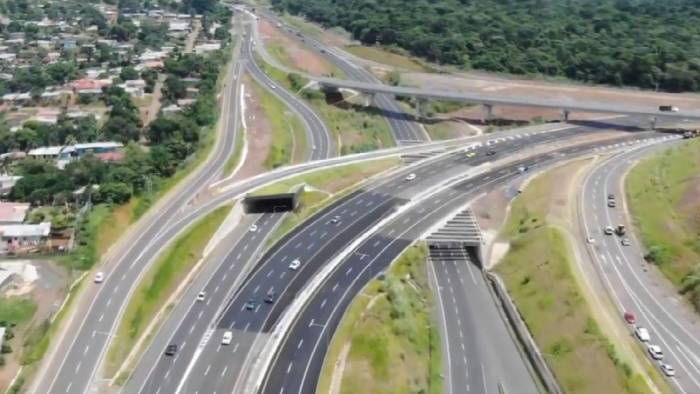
<point x="13" y="212"/>
<point x="25" y="230"/>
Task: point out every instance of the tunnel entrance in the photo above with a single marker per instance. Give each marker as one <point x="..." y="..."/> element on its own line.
<point x="265" y="203"/>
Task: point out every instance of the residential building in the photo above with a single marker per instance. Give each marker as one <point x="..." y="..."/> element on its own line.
<point x="13" y="212"/>
<point x="14" y="237"/>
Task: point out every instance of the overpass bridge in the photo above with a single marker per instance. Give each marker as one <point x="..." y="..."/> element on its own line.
<point x="489" y="100"/>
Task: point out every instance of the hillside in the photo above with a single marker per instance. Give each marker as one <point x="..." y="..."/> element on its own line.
<point x="643" y="43"/>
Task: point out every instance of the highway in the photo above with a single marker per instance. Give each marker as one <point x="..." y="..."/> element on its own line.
<point x="402" y="126"/>
<point x="82" y="344"/>
<point x="314" y="243"/>
<point x="298" y="362"/>
<point x="635" y="285"/>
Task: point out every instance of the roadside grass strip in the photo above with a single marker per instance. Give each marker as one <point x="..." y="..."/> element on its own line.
<point x="537" y="271"/>
<point x="159" y="283"/>
<point x="394" y="344"/>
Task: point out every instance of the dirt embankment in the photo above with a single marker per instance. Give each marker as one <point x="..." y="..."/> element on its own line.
<point x="289" y="50"/>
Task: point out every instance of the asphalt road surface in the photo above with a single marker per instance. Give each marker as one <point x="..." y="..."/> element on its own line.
<point x="403" y="128"/>
<point x="300" y="359"/>
<point x="313" y="243"/>
<point x="635" y="285"/>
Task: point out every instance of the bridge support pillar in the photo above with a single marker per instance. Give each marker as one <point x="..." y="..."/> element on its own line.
<point x="369" y="99"/>
<point x="420" y="113"/>
<point x="487" y="113"/>
<point x="565" y="115"/>
<point x="652" y="122"/>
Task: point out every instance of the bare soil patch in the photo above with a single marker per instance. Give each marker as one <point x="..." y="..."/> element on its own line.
<point x="300" y="57"/>
<point x="258" y="135"/>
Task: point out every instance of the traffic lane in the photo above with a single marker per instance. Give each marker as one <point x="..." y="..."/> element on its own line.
<point x="372" y="257"/>
<point x="455" y="196"/>
<point x="185" y="328"/>
<point x="77" y="366"/>
<point x="626" y="273"/>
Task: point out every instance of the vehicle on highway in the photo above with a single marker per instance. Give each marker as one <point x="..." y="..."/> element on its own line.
<point x="668" y="108"/>
<point x="294" y="265"/>
<point x="227" y="338"/>
<point x="313" y="147"/>
<point x="626" y="242"/>
<point x="272" y="87"/>
<point x="611" y="196"/>
<point x="668" y="370"/>
<point x="253" y="228"/>
<point x="410" y="177"/>
<point x="609" y="230"/>
<point x="201" y="296"/>
<point x="655" y="352"/>
<point x="491" y="152"/>
<point x="471" y="154"/>
<point x="643" y="334"/>
<point x="522" y="169"/>
<point x="171" y="350"/>
<point x="334" y="220"/>
<point x="270" y="297"/>
<point x="251" y="304"/>
<point x="99" y="277"/>
<point x="630" y="318"/>
<point x="590" y="240"/>
<point x="611" y="203"/>
<point x="620" y="230"/>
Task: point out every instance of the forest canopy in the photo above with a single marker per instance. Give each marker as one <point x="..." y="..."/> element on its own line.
<point x="645" y="43"/>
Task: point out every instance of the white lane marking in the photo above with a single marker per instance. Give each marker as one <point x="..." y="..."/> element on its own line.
<point x="235" y="347"/>
<point x="69" y="386"/>
<point x="301" y="341"/>
<point x="323" y="303"/>
<point x="101" y="317"/>
<point x="224" y="371"/>
<point x="206" y="371"/>
<point x="86" y="349"/>
<point x="77" y="367"/>
<point x="289" y="367"/>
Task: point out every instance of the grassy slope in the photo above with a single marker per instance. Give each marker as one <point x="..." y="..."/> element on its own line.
<point x="656" y="188"/>
<point x="395" y="345"/>
<point x="383" y="56"/>
<point x="537" y="271"/>
<point x="288" y="134"/>
<point x="159" y="283"/>
<point x="16" y="310"/>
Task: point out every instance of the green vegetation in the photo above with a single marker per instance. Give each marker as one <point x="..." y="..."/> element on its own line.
<point x="16" y="311"/>
<point x="383" y="56"/>
<point x="641" y="43"/>
<point x="160" y="282"/>
<point x="233" y="160"/>
<point x="664" y="199"/>
<point x="394" y="342"/>
<point x="538" y="273"/>
<point x="288" y="134"/>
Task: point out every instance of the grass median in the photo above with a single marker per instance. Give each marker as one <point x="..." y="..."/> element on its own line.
<point x="538" y="272"/>
<point x="323" y="187"/>
<point x="387" y="341"/>
<point x="159" y="283"/>
<point x="664" y="196"/>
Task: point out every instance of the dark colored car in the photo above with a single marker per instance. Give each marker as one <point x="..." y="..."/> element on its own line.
<point x="171" y="350"/>
<point x="250" y="305"/>
<point x="270" y="297"/>
<point x="491" y="153"/>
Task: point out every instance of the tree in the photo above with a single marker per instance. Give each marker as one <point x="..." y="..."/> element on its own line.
<point x="128" y="73"/>
<point x="174" y="88"/>
<point x="114" y="192"/>
<point x="121" y="129"/>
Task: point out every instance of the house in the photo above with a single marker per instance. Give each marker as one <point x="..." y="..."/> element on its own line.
<point x="8" y="57"/>
<point x="17" y="236"/>
<point x="81" y="150"/>
<point x="46" y="152"/>
<point x="150" y="65"/>
<point x="7" y="182"/>
<point x="134" y="87"/>
<point x="13" y="212"/>
<point x="178" y="26"/>
<point x="111" y="157"/>
<point x="171" y="109"/>
<point x="207" y="47"/>
<point x="17" y="98"/>
<point x="153" y="55"/>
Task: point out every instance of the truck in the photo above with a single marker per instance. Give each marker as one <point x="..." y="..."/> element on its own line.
<point x="620" y="230"/>
<point x="668" y="108"/>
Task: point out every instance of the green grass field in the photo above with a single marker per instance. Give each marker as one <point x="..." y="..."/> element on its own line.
<point x="394" y="343"/>
<point x="663" y="193"/>
<point x="538" y="273"/>
<point x="16" y="310"/>
<point x="160" y="281"/>
<point x="383" y="56"/>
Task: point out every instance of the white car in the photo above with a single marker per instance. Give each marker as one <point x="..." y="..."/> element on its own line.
<point x="609" y="230"/>
<point x="668" y="370"/>
<point x="227" y="338"/>
<point x="410" y="177"/>
<point x="201" y="296"/>
<point x="99" y="277"/>
<point x="643" y="334"/>
<point x="626" y="242"/>
<point x="655" y="352"/>
<point x="590" y="240"/>
<point x="253" y="228"/>
<point x="294" y="265"/>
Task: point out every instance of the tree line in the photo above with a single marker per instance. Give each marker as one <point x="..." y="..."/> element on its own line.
<point x="645" y="43"/>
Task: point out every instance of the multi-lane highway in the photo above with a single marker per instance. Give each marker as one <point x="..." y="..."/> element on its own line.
<point x="636" y="286"/>
<point x="298" y="363"/>
<point x="403" y="128"/>
<point x="314" y="244"/>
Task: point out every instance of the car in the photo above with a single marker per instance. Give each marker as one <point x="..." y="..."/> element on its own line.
<point x="609" y="230"/>
<point x="171" y="350"/>
<point x="313" y="147"/>
<point x="611" y="203"/>
<point x="272" y="87"/>
<point x="491" y="152"/>
<point x="253" y="228"/>
<point x="630" y="318"/>
<point x="522" y="169"/>
<point x="471" y="154"/>
<point x="270" y="297"/>
<point x="227" y="338"/>
<point x="251" y="304"/>
<point x="655" y="352"/>
<point x="643" y="334"/>
<point x="99" y="277"/>
<point x="611" y="196"/>
<point x="201" y="296"/>
<point x="668" y="370"/>
<point x="668" y="108"/>
<point x="626" y="242"/>
<point x="294" y="265"/>
<point x="335" y="220"/>
<point x="590" y="240"/>
<point x="410" y="177"/>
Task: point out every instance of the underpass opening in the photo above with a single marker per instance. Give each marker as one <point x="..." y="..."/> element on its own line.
<point x="268" y="203"/>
